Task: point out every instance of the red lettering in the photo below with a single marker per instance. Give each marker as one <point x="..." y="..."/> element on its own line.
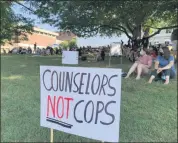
<point x="60" y="97"/>
<point x="52" y="105"/>
<point x="67" y="111"/>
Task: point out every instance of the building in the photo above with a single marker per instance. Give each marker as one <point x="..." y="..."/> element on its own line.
<point x="162" y="37"/>
<point x="41" y="37"/>
<point x="65" y="36"/>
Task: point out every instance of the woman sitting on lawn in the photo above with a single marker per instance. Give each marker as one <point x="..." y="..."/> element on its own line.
<point x="142" y="65"/>
<point x="164" y="66"/>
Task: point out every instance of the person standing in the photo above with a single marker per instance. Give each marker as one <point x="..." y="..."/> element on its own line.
<point x="102" y="54"/>
<point x="35" y="48"/>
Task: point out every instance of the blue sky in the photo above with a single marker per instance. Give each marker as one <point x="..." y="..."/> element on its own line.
<point x="92" y="41"/>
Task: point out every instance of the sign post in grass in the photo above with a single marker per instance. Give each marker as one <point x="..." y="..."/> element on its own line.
<point x="68" y="57"/>
<point x="51" y="136"/>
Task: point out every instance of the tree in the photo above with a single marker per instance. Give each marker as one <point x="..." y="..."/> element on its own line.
<point x="89" y="18"/>
<point x="73" y="43"/>
<point x="65" y="45"/>
<point x="13" y="25"/>
<point x="69" y="44"/>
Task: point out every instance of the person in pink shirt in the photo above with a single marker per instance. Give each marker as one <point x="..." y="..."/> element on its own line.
<point x="142" y="64"/>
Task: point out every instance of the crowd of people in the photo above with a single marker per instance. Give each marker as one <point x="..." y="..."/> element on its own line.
<point x="37" y="51"/>
<point x="97" y="53"/>
<point x="143" y="57"/>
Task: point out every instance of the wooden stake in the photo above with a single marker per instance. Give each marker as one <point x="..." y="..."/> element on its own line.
<point x="51" y="137"/>
<point x="110" y="60"/>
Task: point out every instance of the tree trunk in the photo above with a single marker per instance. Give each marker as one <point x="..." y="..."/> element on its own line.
<point x="145" y="42"/>
<point x="137" y="32"/>
<point x="136" y="40"/>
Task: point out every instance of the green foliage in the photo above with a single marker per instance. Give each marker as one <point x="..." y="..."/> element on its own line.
<point x="13" y="24"/>
<point x="69" y="44"/>
<point x="88" y="18"/>
<point x="65" y="44"/>
<point x="73" y="43"/>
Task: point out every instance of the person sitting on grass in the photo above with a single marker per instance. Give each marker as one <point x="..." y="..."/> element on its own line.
<point x="141" y="65"/>
<point x="43" y="52"/>
<point x="164" y="66"/>
<point x="128" y="50"/>
<point x="98" y="55"/>
<point x="29" y="50"/>
<point x="47" y="51"/>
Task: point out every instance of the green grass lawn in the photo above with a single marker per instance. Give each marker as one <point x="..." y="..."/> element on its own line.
<point x="148" y="112"/>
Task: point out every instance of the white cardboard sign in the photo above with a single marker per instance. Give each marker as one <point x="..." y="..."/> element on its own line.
<point x="115" y="49"/>
<point x="81" y="101"/>
<point x="70" y="57"/>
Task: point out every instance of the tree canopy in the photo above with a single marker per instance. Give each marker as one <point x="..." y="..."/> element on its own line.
<point x="69" y="44"/>
<point x="13" y="24"/>
<point x="89" y="18"/>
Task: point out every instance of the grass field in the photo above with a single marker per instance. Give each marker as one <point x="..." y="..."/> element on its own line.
<point x="148" y="112"/>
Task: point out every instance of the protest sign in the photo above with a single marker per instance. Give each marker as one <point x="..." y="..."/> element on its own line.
<point x="70" y="57"/>
<point x="81" y="101"/>
<point x="115" y="50"/>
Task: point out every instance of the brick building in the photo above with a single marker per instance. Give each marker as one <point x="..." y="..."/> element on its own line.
<point x="42" y="38"/>
<point x="65" y="36"/>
